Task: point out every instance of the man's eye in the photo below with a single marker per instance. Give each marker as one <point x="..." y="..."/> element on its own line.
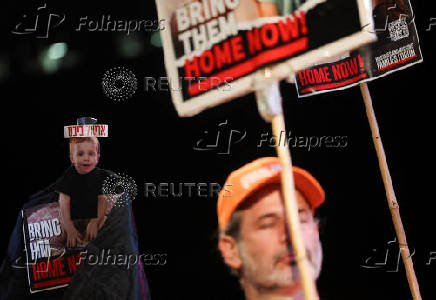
<point x="266" y="225"/>
<point x="305" y="216"/>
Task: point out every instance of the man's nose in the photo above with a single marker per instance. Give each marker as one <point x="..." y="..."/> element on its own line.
<point x="284" y="235"/>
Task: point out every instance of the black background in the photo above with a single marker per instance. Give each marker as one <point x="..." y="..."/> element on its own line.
<point x="148" y="141"/>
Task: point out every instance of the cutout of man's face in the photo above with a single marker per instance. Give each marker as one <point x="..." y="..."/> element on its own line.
<point x="84" y="157"/>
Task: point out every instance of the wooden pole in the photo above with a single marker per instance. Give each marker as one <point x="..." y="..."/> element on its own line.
<point x="269" y="103"/>
<point x="291" y="208"/>
<point x="390" y="194"/>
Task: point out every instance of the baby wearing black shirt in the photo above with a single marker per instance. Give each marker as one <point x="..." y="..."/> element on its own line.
<point x="83" y="205"/>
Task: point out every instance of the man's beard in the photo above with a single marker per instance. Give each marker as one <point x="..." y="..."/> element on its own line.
<point x="270" y="276"/>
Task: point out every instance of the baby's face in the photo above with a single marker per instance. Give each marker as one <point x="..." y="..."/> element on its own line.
<point x="84" y="157"/>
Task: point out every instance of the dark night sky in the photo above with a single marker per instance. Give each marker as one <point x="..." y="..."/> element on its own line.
<point x="149" y="142"/>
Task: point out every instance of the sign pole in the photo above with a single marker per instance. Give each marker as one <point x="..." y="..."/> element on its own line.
<point x="390" y="194"/>
<point x="270" y="108"/>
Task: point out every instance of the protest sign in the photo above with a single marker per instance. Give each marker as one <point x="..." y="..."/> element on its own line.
<point x="397" y="48"/>
<point x="50" y="264"/>
<point x="212" y="47"/>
